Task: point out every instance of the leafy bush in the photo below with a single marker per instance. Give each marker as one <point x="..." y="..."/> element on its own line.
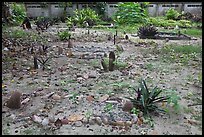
<point x="185" y="23"/>
<point x="64" y="35"/>
<point x="18" y="13"/>
<point x="130" y="13"/>
<point x="172" y="14"/>
<point x="146" y="100"/>
<point x="81" y="16"/>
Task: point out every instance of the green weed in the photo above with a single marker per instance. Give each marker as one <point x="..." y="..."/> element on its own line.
<point x="108" y="107"/>
<point x="64" y="35"/>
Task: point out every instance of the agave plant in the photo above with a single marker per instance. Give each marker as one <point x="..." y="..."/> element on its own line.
<point x="146" y="100"/>
<point x="147" y="32"/>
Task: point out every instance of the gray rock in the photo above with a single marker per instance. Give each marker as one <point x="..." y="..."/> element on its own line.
<point x="98" y="120"/>
<point x="92" y="120"/>
<point x="78" y="123"/>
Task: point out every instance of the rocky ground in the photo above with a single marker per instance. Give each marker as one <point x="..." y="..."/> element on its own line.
<point x="73" y="95"/>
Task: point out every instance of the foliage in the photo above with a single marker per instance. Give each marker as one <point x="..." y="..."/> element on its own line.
<point x="82" y="16"/>
<point x="181" y="53"/>
<point x="135" y="111"/>
<point x="147" y="31"/>
<point x="120" y="65"/>
<point x="163" y="22"/>
<point x="185" y="23"/>
<point x="18" y="13"/>
<point x="173" y="98"/>
<point x="130" y="13"/>
<point x="108" y="107"/>
<point x="146" y="100"/>
<point x="193" y="32"/>
<point x="64" y="35"/>
<point x="100" y="6"/>
<point x="172" y="14"/>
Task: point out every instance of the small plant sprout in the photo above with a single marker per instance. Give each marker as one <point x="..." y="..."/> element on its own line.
<point x="135" y="111"/>
<point x="108" y="107"/>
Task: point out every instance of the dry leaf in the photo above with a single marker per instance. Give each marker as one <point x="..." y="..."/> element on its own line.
<point x="154" y="132"/>
<point x="58" y="123"/>
<point x="90" y="98"/>
<point x="104" y="98"/>
<point x="56" y="97"/>
<point x="64" y="121"/>
<point x="139" y="121"/>
<point x="75" y="117"/>
<point x="69" y="53"/>
<point x="4" y="86"/>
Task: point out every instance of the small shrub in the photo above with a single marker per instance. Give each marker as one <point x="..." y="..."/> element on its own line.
<point x="64" y="35"/>
<point x="131" y="13"/>
<point x="172" y="14"/>
<point x="81" y="16"/>
<point x="18" y="13"/>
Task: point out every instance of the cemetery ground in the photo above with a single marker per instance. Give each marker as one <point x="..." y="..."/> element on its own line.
<point x="70" y="93"/>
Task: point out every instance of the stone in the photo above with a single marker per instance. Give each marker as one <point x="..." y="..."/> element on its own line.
<point x="78" y="123"/>
<point x="98" y="120"/>
<point x="128" y="106"/>
<point x="14" y="101"/>
<point x="56" y="97"/>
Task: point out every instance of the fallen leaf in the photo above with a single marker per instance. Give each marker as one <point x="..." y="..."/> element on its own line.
<point x="154" y="132"/>
<point x="90" y="98"/>
<point x="4" y="86"/>
<point x="104" y="98"/>
<point x="139" y="121"/>
<point x="75" y="117"/>
<point x="58" y="123"/>
<point x="56" y="97"/>
<point x="69" y="53"/>
<point x="192" y="122"/>
<point x="64" y="121"/>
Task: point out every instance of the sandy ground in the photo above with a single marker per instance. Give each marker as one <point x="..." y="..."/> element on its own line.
<point x="82" y="74"/>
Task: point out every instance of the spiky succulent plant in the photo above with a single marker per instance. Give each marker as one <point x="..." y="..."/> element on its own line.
<point x="147" y="31"/>
<point x="145" y="99"/>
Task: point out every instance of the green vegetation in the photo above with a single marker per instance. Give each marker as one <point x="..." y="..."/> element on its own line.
<point x="146" y="100"/>
<point x="64" y="35"/>
<point x="172" y="14"/>
<point x="135" y="111"/>
<point x="82" y="16"/>
<point x="108" y="107"/>
<point x="181" y="53"/>
<point x="131" y="13"/>
<point x="18" y="13"/>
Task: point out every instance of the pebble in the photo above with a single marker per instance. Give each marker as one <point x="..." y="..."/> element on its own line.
<point x="85" y="120"/>
<point x="45" y="122"/>
<point x="78" y="123"/>
<point x="92" y="121"/>
<point x="104" y="120"/>
<point x="128" y="123"/>
<point x="98" y="120"/>
<point x="73" y="128"/>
